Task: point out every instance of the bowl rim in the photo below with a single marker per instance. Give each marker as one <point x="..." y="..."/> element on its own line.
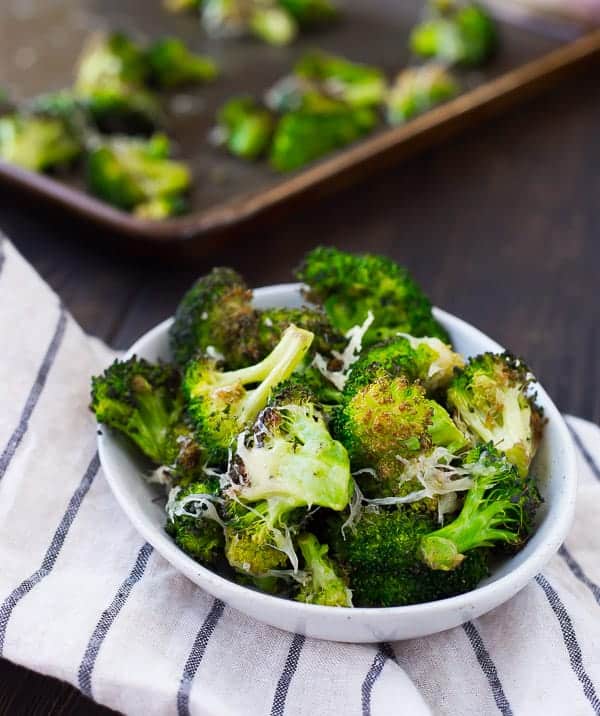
<point x="552" y="531"/>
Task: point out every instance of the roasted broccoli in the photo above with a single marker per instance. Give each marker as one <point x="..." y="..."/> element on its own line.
<point x="308" y="134"/>
<point x="244" y="127"/>
<point x="287" y="462"/>
<point x="349" y="286"/>
<point x="381" y="556"/>
<point x="457" y="33"/>
<point x="355" y="84"/>
<point x="172" y="64"/>
<point x="310" y="12"/>
<point x="194" y="523"/>
<point x="499" y="509"/>
<point x="220" y="403"/>
<point x="142" y="401"/>
<point x="111" y="79"/>
<point x="428" y="360"/>
<point x="215" y="316"/>
<point x="491" y="399"/>
<point x="325" y="583"/>
<point x="265" y="19"/>
<point x="389" y="421"/>
<point x="136" y="175"/>
<point x="37" y="142"/>
<point x="272" y="322"/>
<point x="417" y="90"/>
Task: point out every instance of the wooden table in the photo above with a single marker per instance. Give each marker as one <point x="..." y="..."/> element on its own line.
<point x="501" y="227"/>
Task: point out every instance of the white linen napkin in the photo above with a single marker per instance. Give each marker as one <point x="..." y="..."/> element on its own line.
<point x="85" y="599"/>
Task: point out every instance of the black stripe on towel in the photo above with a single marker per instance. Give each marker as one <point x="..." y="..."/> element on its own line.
<point x="578" y="572"/>
<point x="385" y="652"/>
<point x="53" y="551"/>
<point x="584" y="451"/>
<point x="571" y="643"/>
<point x="34" y="393"/>
<point x="289" y="669"/>
<point x="86" y="668"/>
<point x="489" y="668"/>
<point x="196" y="655"/>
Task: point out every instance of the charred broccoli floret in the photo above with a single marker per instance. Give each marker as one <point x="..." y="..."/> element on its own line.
<point x="215" y="316"/>
<point x="244" y="127"/>
<point x="353" y="83"/>
<point x="351" y="285"/>
<point x="286" y="464"/>
<point x="325" y="583"/>
<point x="38" y="143"/>
<point x="194" y="523"/>
<point x="172" y="64"/>
<point x="308" y="13"/>
<point x="428" y="360"/>
<point x="221" y="404"/>
<point x="491" y="398"/>
<point x="457" y="33"/>
<point x="111" y="78"/>
<point x="390" y="420"/>
<point x="498" y="510"/>
<point x="382" y="559"/>
<point x="418" y="90"/>
<point x="264" y="19"/>
<point x="142" y="401"/>
<point x="136" y="175"/>
<point x="305" y="135"/>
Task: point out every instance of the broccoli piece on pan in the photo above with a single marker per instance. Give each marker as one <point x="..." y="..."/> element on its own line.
<point x="37" y="142"/>
<point x="173" y="65"/>
<point x="136" y="175"/>
<point x="244" y="127"/>
<point x="418" y="90"/>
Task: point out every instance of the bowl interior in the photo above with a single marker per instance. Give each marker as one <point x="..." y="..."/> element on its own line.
<point x="553" y="466"/>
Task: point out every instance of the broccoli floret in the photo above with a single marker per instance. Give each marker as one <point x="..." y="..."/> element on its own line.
<point x="498" y="510"/>
<point x="353" y="83"/>
<point x="220" y="403"/>
<point x="459" y="34"/>
<point x="173" y="65"/>
<point x="259" y="537"/>
<point x="391" y="420"/>
<point x="350" y="285"/>
<point x="418" y="90"/>
<point x="182" y="5"/>
<point x="216" y="311"/>
<point x="310" y="12"/>
<point x="273" y="24"/>
<point x="286" y="464"/>
<point x="291" y="457"/>
<point x="143" y="401"/>
<point x="325" y="582"/>
<point x="381" y="556"/>
<point x="491" y="399"/>
<point x="38" y="143"/>
<point x="111" y="78"/>
<point x="428" y="360"/>
<point x="308" y="134"/>
<point x="194" y="523"/>
<point x="136" y="175"/>
<point x="244" y="127"/>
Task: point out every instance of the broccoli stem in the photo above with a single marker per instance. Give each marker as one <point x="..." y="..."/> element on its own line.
<point x="275" y="368"/>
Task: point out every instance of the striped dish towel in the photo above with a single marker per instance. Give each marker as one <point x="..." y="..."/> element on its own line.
<point x="84" y="599"/>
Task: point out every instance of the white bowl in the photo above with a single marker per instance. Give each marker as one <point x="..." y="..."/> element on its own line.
<point x="554" y="465"/>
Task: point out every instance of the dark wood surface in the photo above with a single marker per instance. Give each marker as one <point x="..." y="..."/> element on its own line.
<point x="501" y="226"/>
